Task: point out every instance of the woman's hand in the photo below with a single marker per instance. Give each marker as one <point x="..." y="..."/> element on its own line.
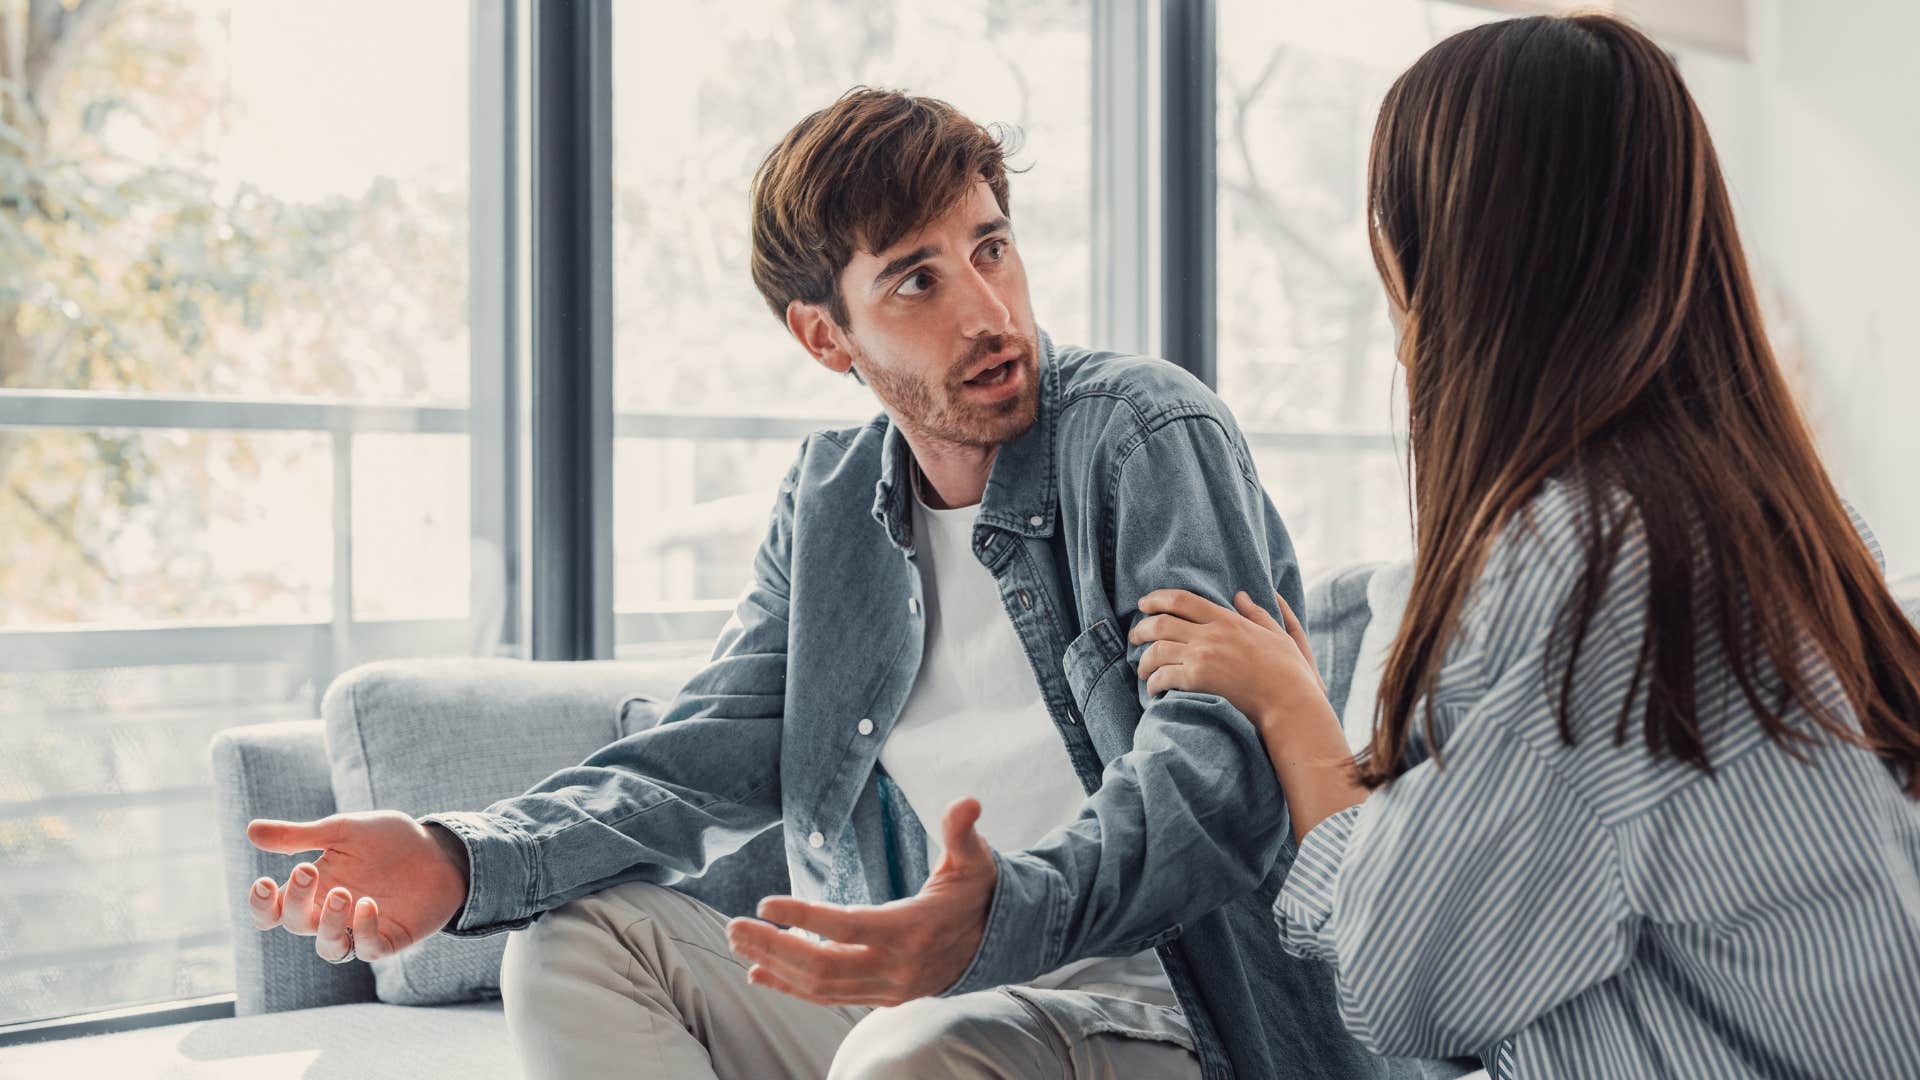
<point x="1261" y="667"/>
<point x="1266" y="670"/>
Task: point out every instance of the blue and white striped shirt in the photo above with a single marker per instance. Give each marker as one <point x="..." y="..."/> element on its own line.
<point x="1614" y="913"/>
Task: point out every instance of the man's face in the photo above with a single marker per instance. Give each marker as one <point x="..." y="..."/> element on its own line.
<point x="941" y="328"/>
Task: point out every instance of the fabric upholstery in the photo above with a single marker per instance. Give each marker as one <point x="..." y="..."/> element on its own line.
<point x="279" y="771"/>
<point x="425" y="735"/>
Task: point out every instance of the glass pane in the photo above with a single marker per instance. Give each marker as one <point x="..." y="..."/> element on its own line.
<point x="1341" y="506"/>
<point x="1304" y="340"/>
<point x="693" y="336"/>
<point x="253" y="198"/>
<point x="690" y="516"/>
<point x="410" y="527"/>
<point x="104" y="778"/>
<point x="115" y="527"/>
<point x="241" y="210"/>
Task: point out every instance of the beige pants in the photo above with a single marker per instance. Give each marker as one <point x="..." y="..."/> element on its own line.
<point x="637" y="981"/>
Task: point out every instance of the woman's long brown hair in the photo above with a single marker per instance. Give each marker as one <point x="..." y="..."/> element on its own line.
<point x="1579" y="305"/>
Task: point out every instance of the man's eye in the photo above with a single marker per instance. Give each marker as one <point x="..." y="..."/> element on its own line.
<point x="997" y="250"/>
<point x="915" y="284"/>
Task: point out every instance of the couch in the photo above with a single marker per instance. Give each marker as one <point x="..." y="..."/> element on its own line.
<point x="430" y="735"/>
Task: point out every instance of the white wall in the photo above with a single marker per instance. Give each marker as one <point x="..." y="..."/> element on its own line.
<point x="1819" y="133"/>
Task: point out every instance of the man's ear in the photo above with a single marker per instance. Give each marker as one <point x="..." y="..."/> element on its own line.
<point x="813" y="326"/>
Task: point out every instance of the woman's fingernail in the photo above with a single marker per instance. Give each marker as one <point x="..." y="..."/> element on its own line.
<point x="303" y="876"/>
<point x="262" y="890"/>
<point x="338" y="901"/>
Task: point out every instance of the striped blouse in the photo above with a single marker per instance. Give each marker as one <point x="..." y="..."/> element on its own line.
<point x="1614" y="914"/>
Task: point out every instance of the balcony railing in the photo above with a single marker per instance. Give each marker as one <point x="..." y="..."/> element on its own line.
<point x="330" y="645"/>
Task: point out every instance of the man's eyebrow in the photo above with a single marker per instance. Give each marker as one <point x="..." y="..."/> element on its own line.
<point x="988" y="228"/>
<point x="903" y="264"/>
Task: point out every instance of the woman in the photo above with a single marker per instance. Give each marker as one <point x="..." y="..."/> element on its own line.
<point x="1641" y="794"/>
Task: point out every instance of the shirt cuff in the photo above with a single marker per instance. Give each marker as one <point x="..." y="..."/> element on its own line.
<point x="1025" y="921"/>
<point x="1304" y="908"/>
<point x="500" y="873"/>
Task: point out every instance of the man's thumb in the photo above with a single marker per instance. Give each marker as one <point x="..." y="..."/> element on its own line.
<point x="964" y="845"/>
<point x="288" y="837"/>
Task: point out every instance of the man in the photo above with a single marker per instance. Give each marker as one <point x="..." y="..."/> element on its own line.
<point x="937" y="621"/>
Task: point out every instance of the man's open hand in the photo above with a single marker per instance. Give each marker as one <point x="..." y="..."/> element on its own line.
<point x="881" y="955"/>
<point x="382" y="875"/>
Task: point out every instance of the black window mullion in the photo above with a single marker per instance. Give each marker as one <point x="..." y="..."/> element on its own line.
<point x="572" y="380"/>
<point x="1189" y="247"/>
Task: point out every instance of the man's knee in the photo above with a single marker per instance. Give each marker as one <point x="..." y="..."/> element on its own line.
<point x="580" y="936"/>
<point x="944" y="1037"/>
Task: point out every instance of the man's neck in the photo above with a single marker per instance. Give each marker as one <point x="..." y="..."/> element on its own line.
<point x="952" y="475"/>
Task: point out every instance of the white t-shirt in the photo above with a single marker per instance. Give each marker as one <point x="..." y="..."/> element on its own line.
<point x="975" y="724"/>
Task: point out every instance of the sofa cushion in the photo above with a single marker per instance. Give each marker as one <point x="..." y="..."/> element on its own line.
<point x="427" y="736"/>
<point x="341" y="1042"/>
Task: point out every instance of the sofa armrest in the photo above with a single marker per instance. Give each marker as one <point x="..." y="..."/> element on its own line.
<point x="275" y="771"/>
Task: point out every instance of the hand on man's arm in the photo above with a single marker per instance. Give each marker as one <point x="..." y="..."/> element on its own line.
<point x="385" y="878"/>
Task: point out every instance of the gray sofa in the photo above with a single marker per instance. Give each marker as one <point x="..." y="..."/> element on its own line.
<point x="413" y="736"/>
<point x="446" y="734"/>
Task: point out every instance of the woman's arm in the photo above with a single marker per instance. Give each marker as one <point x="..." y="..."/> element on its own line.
<point x="1267" y="671"/>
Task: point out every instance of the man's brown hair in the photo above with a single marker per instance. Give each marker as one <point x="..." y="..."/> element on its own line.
<point x="858" y="175"/>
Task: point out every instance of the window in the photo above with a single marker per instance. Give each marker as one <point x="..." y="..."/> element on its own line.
<point x="260" y="359"/>
<point x="713" y="396"/>
<point x="1306" y="352"/>
<point x="241" y="423"/>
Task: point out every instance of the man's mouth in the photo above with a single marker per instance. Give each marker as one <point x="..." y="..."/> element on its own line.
<point x="995" y="375"/>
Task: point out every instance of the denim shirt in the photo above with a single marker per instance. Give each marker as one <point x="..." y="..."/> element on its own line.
<point x="1134" y="477"/>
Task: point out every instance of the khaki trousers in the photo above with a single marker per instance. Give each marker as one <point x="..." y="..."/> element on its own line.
<point x="637" y="981"/>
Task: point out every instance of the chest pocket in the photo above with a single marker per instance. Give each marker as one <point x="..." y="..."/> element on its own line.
<point x="1103" y="685"/>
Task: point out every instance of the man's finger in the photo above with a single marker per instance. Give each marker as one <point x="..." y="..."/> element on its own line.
<point x="811" y="965"/>
<point x="332" y="943"/>
<point x="368" y="942"/>
<point x="263" y="904"/>
<point x="298" y="911"/>
<point x="1190" y="606"/>
<point x="966" y="850"/>
<point x="851" y="925"/>
<point x="1244" y="604"/>
<point x="762" y="977"/>
<point x="289" y="837"/>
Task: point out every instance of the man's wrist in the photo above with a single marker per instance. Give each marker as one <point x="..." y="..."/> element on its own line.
<point x="454" y="850"/>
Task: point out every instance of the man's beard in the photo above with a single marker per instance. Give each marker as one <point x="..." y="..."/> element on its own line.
<point x="940" y="408"/>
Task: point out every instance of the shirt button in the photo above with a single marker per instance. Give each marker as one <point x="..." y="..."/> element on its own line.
<point x="866" y="727"/>
<point x="816" y="840"/>
<point x="913" y="605"/>
<point x="1035" y="520"/>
